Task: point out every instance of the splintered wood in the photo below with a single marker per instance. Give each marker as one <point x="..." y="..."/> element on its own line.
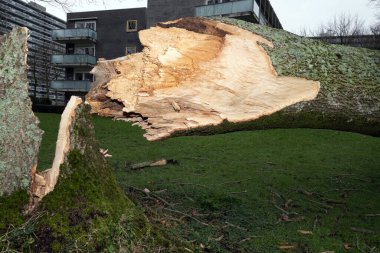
<point x="194" y="73"/>
<point x="45" y="181"/>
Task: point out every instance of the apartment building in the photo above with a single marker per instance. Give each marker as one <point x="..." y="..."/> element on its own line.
<point x="255" y="11"/>
<point x="114" y="33"/>
<point x="92" y="35"/>
<point x="41" y="47"/>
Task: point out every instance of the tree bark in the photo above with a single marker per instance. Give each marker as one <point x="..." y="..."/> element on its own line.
<point x="20" y="136"/>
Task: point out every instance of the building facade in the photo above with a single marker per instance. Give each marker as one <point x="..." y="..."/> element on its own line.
<point x="40" y="45"/>
<point x="109" y="34"/>
<point x="255" y="11"/>
<point x="93" y="35"/>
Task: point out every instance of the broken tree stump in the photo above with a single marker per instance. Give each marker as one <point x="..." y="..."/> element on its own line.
<point x="20" y="136"/>
<point x="45" y="181"/>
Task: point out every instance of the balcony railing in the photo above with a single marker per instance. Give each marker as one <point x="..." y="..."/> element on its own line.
<point x="229" y="8"/>
<point x="65" y="35"/>
<point x="71" y="85"/>
<point x="263" y="14"/>
<point x="74" y="60"/>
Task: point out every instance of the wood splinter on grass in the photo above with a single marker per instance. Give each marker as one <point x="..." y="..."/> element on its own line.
<point x="305" y="232"/>
<point x="104" y="152"/>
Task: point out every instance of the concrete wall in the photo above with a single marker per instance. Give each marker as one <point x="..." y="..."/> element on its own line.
<point x="111" y="28"/>
<point x="164" y="10"/>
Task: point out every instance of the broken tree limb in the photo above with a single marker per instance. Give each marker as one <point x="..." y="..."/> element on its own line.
<point x="156" y="163"/>
<point x="205" y="76"/>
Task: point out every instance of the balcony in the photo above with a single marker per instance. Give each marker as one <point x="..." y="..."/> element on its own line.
<point x="230" y="9"/>
<point x="84" y="35"/>
<point x="67" y="60"/>
<point x="71" y="85"/>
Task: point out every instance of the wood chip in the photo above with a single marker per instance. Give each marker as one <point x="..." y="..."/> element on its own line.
<point x="347" y="246"/>
<point x="305" y="232"/>
<point x="286" y="247"/>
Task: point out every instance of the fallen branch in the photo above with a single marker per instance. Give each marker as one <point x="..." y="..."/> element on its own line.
<point x="186" y="215"/>
<point x="315" y="223"/>
<point x="156" y="163"/>
<point x="250" y="238"/>
<point x="245" y="191"/>
<point x="235" y="182"/>
<point x="228" y="224"/>
<point x="150" y="195"/>
<point x="373" y="215"/>
<point x="321" y="204"/>
<point x="279" y="208"/>
<point x="200" y="185"/>
<point x="334" y="201"/>
<point x="305" y="192"/>
<point x="362" y="230"/>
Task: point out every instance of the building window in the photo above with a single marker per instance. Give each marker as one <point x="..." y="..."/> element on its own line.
<point x="89" y="50"/>
<point x="86" y="24"/>
<point x="83" y="76"/>
<point x="130" y="49"/>
<point x="131" y="25"/>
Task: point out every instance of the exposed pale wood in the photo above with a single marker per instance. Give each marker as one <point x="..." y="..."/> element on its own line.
<point x="45" y="181"/>
<point x="194" y="73"/>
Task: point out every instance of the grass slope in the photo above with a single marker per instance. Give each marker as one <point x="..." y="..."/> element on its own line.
<point x="255" y="190"/>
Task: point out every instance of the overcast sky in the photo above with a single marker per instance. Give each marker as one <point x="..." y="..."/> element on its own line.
<point x="293" y="14"/>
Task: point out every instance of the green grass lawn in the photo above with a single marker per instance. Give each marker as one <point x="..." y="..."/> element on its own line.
<point x="311" y="190"/>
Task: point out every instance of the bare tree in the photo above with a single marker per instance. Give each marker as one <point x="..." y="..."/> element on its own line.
<point x="375" y="28"/>
<point x="344" y="25"/>
<point x="340" y="26"/>
<point x="67" y="4"/>
<point x="376" y="2"/>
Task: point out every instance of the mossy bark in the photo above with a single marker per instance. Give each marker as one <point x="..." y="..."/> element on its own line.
<point x="349" y="98"/>
<point x="20" y="136"/>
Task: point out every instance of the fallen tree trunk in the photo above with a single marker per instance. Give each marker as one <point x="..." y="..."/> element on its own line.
<point x="196" y="73"/>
